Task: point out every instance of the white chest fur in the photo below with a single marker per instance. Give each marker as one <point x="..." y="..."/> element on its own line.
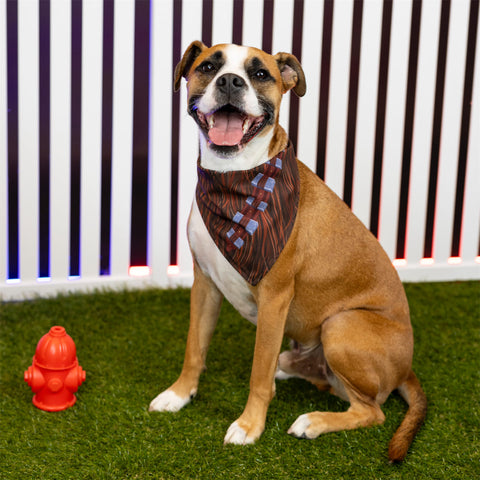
<point x="233" y="286"/>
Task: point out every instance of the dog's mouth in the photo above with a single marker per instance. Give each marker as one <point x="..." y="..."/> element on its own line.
<point x="229" y="126"/>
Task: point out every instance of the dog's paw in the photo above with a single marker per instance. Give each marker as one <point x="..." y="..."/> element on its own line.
<point x="299" y="428"/>
<point x="236" y="435"/>
<point x="168" y="401"/>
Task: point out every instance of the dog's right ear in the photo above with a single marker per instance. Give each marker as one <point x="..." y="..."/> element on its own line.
<point x="183" y="67"/>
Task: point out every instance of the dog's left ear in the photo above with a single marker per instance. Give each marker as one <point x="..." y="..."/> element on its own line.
<point x="292" y="73"/>
<point x="183" y="67"/>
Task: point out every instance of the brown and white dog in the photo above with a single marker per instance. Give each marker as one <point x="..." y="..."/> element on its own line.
<point x="332" y="289"/>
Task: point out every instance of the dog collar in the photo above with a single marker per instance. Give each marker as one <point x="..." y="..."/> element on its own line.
<point x="250" y="213"/>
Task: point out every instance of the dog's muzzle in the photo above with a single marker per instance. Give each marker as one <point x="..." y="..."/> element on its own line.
<point x="229" y="125"/>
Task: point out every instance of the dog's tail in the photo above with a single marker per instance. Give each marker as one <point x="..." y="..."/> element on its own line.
<point x="413" y="394"/>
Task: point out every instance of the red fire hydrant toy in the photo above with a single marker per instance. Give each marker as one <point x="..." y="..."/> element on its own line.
<point x="55" y="374"/>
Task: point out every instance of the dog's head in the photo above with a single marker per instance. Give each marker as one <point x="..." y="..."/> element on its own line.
<point x="234" y="94"/>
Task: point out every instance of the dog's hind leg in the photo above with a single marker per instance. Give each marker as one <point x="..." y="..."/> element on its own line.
<point x="369" y="356"/>
<point x="205" y="303"/>
<point x="360" y="414"/>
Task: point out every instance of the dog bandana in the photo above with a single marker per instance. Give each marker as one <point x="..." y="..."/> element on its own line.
<point x="250" y="214"/>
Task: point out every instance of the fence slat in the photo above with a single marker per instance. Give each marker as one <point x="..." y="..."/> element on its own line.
<point x="366" y="113"/>
<point x="338" y="102"/>
<point x="191" y="29"/>
<point x="28" y="151"/>
<point x="394" y="125"/>
<point x="469" y="247"/>
<point x="160" y="142"/>
<point x="222" y="22"/>
<point x="422" y="133"/>
<point x="308" y="109"/>
<point x="252" y="23"/>
<point x="91" y="138"/>
<point x="123" y="51"/>
<point x="282" y="42"/>
<point x="60" y="80"/>
<point x="452" y="111"/>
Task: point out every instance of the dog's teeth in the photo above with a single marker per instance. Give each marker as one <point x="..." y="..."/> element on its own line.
<point x="245" y="126"/>
<point x="211" y="121"/>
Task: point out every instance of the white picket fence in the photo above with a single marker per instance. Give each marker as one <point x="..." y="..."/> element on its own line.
<point x="158" y="271"/>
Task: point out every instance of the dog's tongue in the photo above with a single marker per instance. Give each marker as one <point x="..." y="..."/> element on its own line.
<point x="227" y="129"/>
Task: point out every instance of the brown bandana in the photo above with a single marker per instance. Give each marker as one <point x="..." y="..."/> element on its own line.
<point x="250" y="214"/>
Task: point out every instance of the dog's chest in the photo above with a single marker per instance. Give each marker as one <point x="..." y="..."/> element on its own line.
<point x="233" y="286"/>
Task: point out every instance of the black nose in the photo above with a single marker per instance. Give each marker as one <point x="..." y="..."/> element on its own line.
<point x="230" y="83"/>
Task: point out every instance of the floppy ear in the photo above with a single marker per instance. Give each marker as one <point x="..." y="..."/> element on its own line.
<point x="292" y="73"/>
<point x="183" y="67"/>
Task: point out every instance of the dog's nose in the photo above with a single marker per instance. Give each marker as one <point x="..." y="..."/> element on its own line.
<point x="230" y="83"/>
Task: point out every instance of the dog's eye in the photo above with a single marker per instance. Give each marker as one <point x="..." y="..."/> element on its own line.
<point x="262" y="75"/>
<point x="207" y="67"/>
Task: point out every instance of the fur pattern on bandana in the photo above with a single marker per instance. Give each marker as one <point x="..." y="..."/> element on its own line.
<point x="250" y="214"/>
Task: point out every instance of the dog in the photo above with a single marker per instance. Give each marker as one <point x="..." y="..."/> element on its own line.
<point x="268" y="235"/>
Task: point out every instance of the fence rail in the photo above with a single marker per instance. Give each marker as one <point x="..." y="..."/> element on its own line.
<point x="97" y="153"/>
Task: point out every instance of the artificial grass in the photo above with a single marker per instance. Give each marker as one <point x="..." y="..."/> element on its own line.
<point x="131" y="344"/>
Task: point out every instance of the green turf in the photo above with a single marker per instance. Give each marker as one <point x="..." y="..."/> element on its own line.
<point x="131" y="346"/>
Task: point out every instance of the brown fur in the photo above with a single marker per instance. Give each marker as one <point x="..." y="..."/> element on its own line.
<point x="333" y="290"/>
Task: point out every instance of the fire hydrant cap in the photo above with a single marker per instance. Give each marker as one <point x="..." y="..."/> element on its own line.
<point x="56" y="350"/>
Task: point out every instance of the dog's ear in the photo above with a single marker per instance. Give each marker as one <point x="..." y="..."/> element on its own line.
<point x="292" y="73"/>
<point x="183" y="67"/>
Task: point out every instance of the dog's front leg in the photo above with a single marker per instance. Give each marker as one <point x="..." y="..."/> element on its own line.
<point x="272" y="313"/>
<point x="205" y="303"/>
